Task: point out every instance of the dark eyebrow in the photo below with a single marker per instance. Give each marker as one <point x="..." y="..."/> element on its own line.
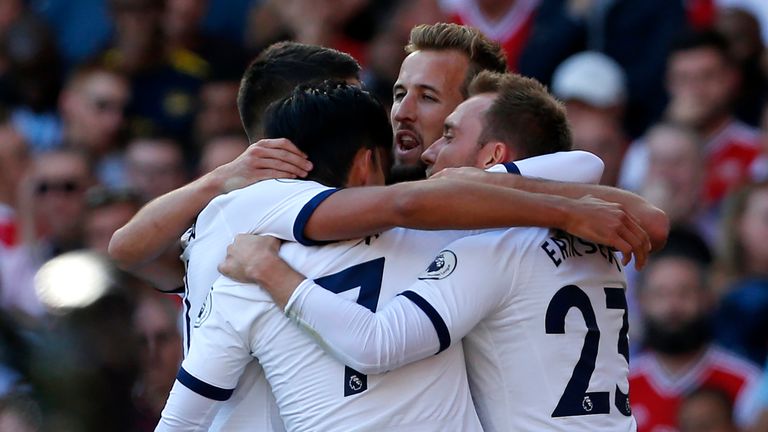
<point x="428" y="87"/>
<point x="400" y="86"/>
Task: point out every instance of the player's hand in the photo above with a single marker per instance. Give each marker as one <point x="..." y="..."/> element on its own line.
<point x="265" y="159"/>
<point x="250" y="257"/>
<point x="254" y="259"/>
<point x="607" y="223"/>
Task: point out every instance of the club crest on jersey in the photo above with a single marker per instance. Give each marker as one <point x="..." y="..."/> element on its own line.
<point x="205" y="310"/>
<point x="443" y="265"/>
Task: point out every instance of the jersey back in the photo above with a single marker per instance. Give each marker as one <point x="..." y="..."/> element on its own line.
<point x="313" y="390"/>
<point x="269" y="207"/>
<point x="551" y="351"/>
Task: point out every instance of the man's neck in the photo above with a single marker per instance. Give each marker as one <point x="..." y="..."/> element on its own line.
<point x="678" y="364"/>
<point x="711" y="128"/>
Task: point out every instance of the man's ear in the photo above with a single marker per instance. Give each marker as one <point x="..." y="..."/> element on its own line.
<point x="362" y="166"/>
<point x="494" y="153"/>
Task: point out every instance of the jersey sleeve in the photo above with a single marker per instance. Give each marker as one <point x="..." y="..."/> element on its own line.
<point x="572" y="166"/>
<point x="457" y="290"/>
<point x="425" y="319"/>
<point x="186" y="411"/>
<point x="368" y="342"/>
<point x="218" y="353"/>
<point x="280" y="208"/>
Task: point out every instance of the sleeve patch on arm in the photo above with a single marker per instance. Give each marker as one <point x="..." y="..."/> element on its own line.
<point x="202" y="388"/>
<point x="304" y="215"/>
<point x="442" y="330"/>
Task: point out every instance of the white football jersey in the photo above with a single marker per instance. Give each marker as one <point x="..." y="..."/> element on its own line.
<point x="313" y="390"/>
<point x="545" y="320"/>
<point x="551" y="352"/>
<point x="281" y="208"/>
<point x="275" y="207"/>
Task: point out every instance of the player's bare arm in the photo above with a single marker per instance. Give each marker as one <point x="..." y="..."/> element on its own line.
<point x="652" y="219"/>
<point x="160" y="223"/>
<point x="456" y="204"/>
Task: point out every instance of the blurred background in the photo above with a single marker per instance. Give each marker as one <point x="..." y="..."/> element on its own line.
<point x="106" y="104"/>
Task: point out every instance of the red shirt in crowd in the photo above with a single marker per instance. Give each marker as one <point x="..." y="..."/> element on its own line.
<point x="655" y="395"/>
<point x="511" y="31"/>
<point x="730" y="154"/>
<point x="8" y="227"/>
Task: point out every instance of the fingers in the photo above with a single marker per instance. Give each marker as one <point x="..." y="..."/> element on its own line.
<point x="265" y="154"/>
<point x="283" y="166"/>
<point x="641" y="255"/>
<point x="280" y="144"/>
<point x="625" y="248"/>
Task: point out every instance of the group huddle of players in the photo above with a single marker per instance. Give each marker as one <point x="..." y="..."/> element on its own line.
<point x="409" y="307"/>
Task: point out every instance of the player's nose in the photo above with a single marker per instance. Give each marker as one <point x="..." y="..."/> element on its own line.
<point x="404" y="109"/>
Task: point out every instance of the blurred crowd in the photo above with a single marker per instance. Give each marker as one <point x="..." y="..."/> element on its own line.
<point x="107" y="104"/>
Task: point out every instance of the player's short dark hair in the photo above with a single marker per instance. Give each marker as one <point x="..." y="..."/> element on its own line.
<point x="483" y="53"/>
<point x="697" y="39"/>
<point x="278" y="70"/>
<point x="330" y="122"/>
<point x="524" y="115"/>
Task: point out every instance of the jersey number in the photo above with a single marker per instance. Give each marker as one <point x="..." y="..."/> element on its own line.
<point x="366" y="276"/>
<point x="576" y="400"/>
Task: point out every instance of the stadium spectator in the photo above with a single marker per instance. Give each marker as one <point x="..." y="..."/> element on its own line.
<point x="702" y="83"/>
<point x="58" y="180"/>
<point x="182" y="27"/>
<point x="755" y="7"/>
<point x="14" y="161"/>
<point x="108" y="210"/>
<point x="702" y="80"/>
<point x="82" y="28"/>
<point x="31" y="81"/>
<point x="743" y="316"/>
<point x="674" y="180"/>
<point x="19" y="413"/>
<point x="746" y="48"/>
<point x="217" y="110"/>
<point x="676" y="304"/>
<point x="92" y="107"/>
<point x="154" y="166"/>
<point x="164" y="82"/>
<point x="159" y="341"/>
<point x="345" y="25"/>
<point x="220" y="150"/>
<point x="706" y="410"/>
<point x="507" y="22"/>
<point x="593" y="88"/>
<point x="635" y="34"/>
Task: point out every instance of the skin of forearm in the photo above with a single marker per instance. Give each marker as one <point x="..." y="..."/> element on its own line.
<point x="450" y="204"/>
<point x="431" y="204"/>
<point x="653" y="220"/>
<point x="277" y="277"/>
<point x="154" y="229"/>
